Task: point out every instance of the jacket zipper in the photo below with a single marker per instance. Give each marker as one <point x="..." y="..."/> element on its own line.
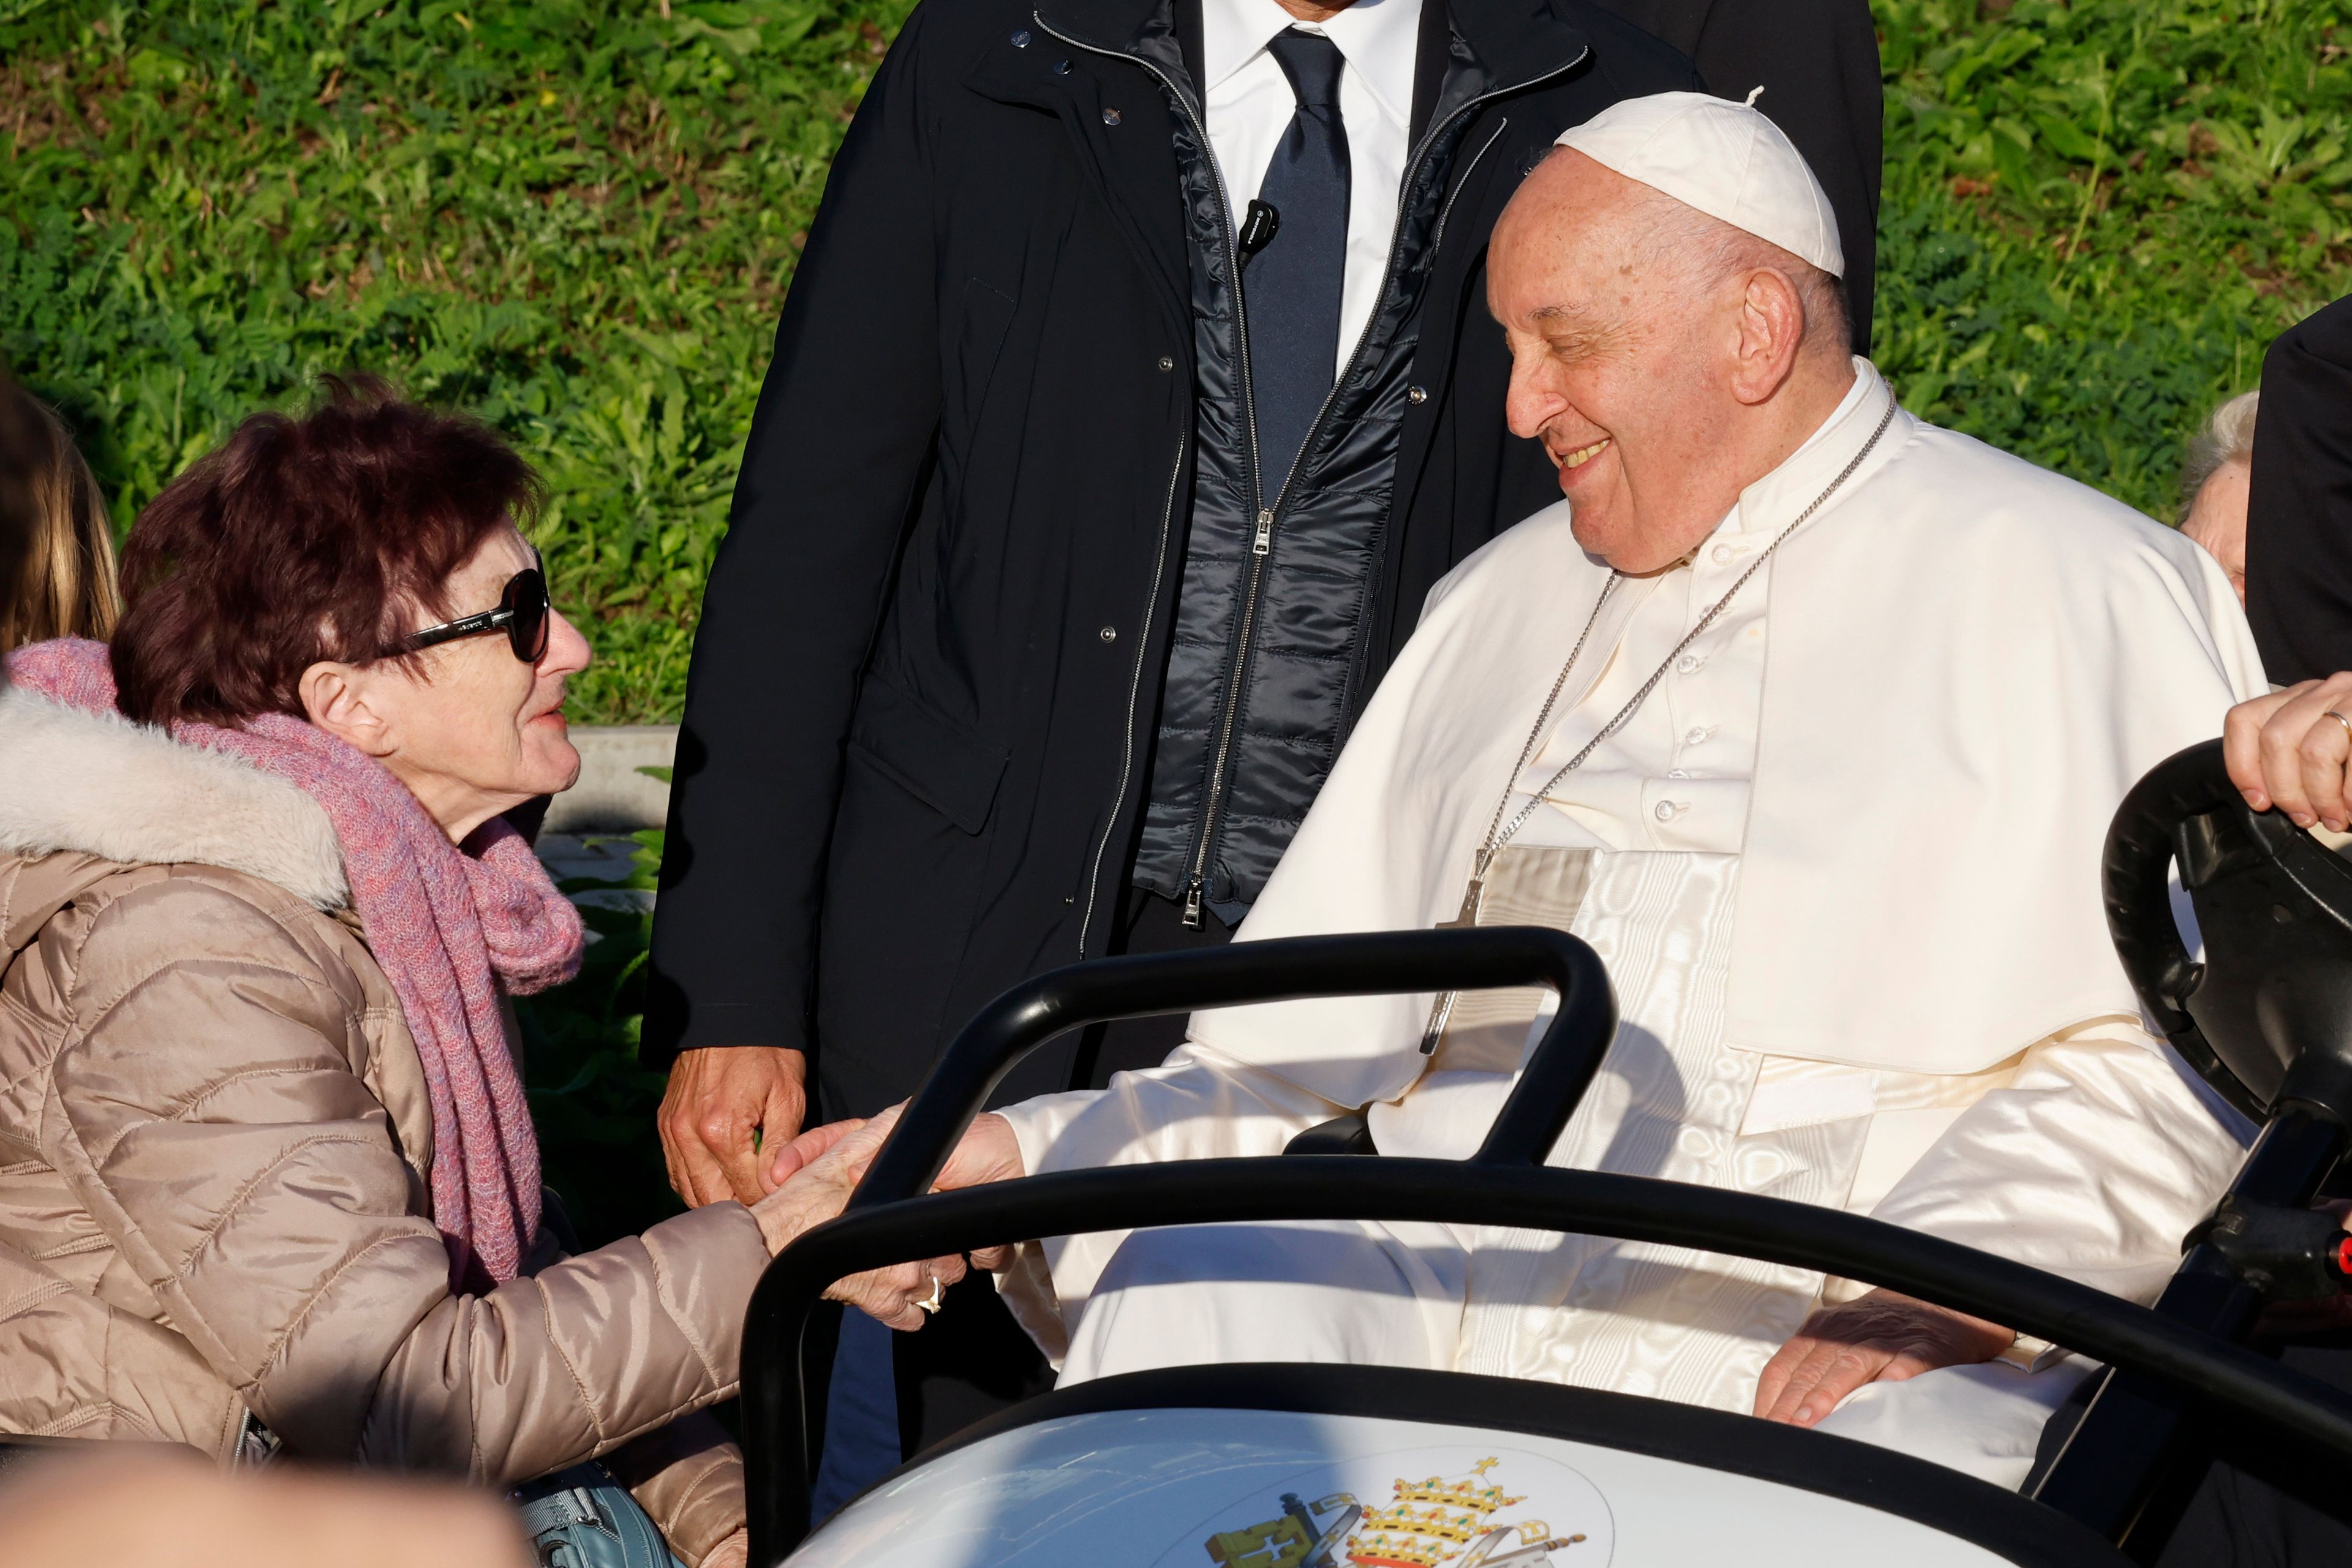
<point x="1134" y="692"/>
<point x="1263" y="540"/>
<point x="1468" y="169"/>
<point x="1262" y="545"/>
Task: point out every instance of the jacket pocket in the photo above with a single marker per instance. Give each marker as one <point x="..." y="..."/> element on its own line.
<point x="938" y="761"/>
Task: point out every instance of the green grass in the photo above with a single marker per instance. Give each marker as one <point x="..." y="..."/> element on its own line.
<point x="577" y="217"/>
<point x="2097" y="218"/>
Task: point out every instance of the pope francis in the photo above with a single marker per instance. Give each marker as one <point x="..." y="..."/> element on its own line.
<point x="1810" y="717"/>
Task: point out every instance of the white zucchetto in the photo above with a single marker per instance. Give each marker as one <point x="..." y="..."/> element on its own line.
<point x="1728" y="160"/>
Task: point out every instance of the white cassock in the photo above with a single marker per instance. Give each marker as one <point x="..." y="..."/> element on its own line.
<point x="1843" y="868"/>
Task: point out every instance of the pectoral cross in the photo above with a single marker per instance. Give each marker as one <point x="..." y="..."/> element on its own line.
<point x="1443" y="1008"/>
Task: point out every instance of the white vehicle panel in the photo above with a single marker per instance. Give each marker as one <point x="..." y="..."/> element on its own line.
<point x="1259" y="1489"/>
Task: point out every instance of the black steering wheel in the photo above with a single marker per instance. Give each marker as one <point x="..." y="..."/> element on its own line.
<point x="2266" y="1016"/>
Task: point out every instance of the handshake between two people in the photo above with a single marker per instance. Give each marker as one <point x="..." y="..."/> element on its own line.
<point x="810" y="1180"/>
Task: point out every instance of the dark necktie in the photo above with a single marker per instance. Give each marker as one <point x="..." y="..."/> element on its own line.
<point x="1292" y="287"/>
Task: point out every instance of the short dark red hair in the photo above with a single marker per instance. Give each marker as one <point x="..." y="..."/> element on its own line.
<point x="301" y="540"/>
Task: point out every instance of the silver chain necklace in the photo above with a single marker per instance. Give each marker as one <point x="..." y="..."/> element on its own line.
<point x="1497" y="834"/>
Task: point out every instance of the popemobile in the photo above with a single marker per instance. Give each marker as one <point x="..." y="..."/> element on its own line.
<point x="1299" y="1466"/>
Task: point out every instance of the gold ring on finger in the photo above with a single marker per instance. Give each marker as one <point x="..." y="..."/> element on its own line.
<point x="937" y="1299"/>
<point x="2339" y="718"/>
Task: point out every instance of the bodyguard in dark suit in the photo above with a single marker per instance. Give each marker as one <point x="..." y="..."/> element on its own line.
<point x="1050" y="595"/>
<point x="2299" y="502"/>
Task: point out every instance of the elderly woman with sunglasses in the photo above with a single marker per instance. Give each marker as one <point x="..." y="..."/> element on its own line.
<point x="268" y="1177"/>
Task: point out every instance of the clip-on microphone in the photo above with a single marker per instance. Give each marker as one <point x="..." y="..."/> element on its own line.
<point x="1259" y="225"/>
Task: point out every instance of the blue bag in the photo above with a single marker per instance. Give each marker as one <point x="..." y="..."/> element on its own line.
<point x="583" y="1518"/>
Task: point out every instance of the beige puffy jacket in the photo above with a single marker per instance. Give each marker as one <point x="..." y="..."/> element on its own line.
<point x="214" y="1141"/>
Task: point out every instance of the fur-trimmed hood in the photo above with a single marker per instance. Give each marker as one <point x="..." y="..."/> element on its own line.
<point x="99" y="784"/>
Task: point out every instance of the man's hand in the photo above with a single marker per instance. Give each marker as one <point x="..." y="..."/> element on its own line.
<point x="719" y="1098"/>
<point x="2283" y="749"/>
<point x="989" y="1152"/>
<point x="1880" y="1337"/>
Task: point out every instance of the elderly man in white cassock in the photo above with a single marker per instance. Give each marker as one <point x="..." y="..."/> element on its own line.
<point x="1810" y="717"/>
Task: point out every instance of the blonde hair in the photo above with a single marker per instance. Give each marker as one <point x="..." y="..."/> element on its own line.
<point x="66" y="582"/>
<point x="2228" y="437"/>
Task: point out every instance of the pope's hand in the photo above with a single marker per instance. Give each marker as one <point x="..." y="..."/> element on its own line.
<point x="812" y="1176"/>
<point x="988" y="1153"/>
<point x="1879" y="1337"/>
<point x="2286" y="750"/>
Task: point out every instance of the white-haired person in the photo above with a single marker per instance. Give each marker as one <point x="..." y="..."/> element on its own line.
<point x="2214" y="485"/>
<point x="1810" y="717"/>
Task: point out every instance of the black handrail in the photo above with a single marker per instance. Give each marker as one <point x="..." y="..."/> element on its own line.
<point x="2281" y="1421"/>
<point x="1550" y="1086"/>
<point x="1366" y="964"/>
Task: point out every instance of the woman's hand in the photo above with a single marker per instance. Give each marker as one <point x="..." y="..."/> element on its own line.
<point x="815" y="1174"/>
<point x="988" y="1152"/>
<point x="1877" y="1337"/>
<point x="2287" y="749"/>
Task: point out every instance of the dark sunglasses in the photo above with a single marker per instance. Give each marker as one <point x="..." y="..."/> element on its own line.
<point x="522" y="615"/>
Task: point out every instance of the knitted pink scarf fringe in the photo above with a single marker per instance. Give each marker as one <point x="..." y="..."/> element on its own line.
<point x="442" y="923"/>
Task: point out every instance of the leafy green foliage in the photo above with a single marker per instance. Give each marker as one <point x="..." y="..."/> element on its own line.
<point x="576" y="218"/>
<point x="2097" y="216"/>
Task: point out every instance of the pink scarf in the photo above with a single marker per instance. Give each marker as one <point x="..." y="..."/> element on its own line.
<point x="442" y="923"/>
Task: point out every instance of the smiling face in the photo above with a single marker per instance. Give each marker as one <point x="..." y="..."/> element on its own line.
<point x="1659" y="366"/>
<point x="474" y="731"/>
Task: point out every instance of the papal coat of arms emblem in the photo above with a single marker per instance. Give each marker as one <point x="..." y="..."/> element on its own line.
<point x="1434" y="1522"/>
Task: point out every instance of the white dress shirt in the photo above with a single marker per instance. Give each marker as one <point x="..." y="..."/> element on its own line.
<point x="1249" y="105"/>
